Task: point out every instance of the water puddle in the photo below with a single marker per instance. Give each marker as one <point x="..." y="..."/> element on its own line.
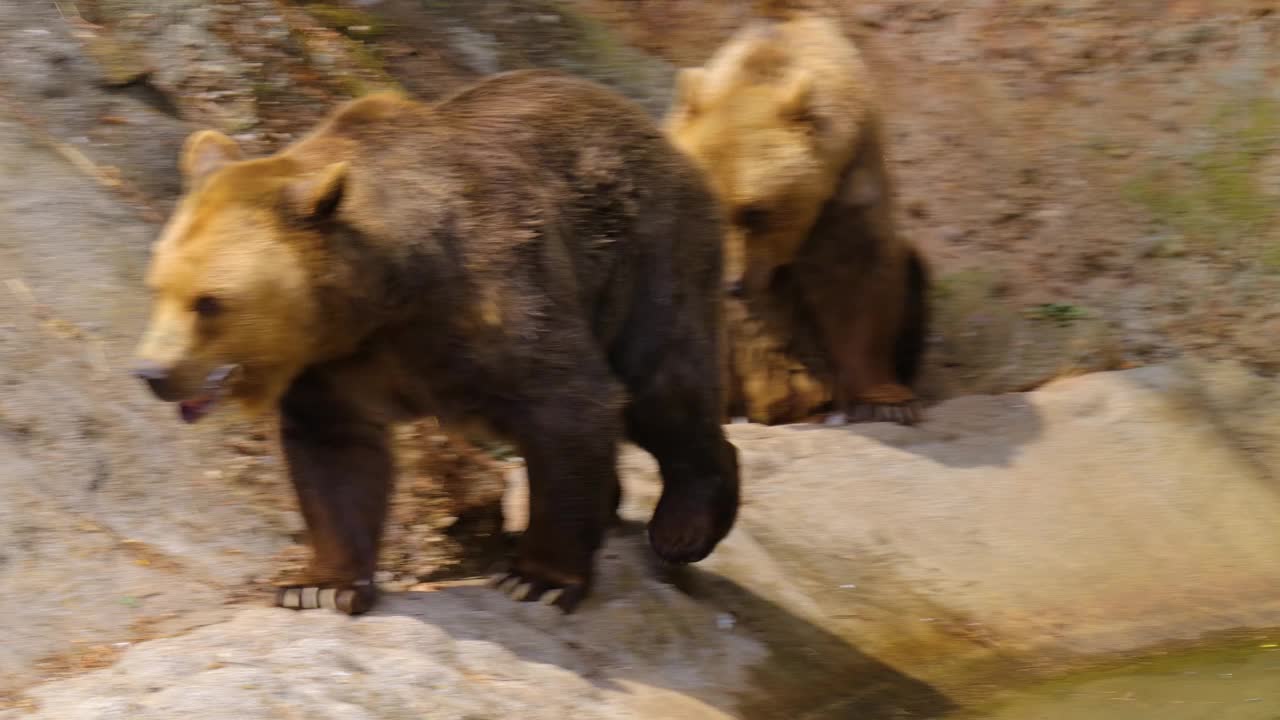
<point x="1236" y="682"/>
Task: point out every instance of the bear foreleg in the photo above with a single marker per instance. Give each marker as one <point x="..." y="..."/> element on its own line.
<point x="342" y="469"/>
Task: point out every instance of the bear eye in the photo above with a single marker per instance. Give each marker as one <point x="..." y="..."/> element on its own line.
<point x="207" y="306"/>
<point x="752" y="218"/>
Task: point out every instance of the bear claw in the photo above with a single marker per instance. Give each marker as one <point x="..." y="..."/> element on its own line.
<point x="516" y="586"/>
<point x="352" y="599"/>
<point x="908" y="413"/>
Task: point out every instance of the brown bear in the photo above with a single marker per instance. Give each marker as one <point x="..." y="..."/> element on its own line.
<point x="783" y="120"/>
<point x="529" y="256"/>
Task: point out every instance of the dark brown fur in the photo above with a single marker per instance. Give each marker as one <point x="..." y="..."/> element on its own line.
<point x="864" y="290"/>
<point x="529" y="256"/>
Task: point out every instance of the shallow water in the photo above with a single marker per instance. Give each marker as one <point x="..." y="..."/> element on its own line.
<point x="1239" y="682"/>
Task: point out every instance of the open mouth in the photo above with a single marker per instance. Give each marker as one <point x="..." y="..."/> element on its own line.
<point x="215" y="387"/>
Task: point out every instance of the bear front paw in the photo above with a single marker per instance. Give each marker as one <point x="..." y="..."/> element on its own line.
<point x="689" y="523"/>
<point x="350" y="598"/>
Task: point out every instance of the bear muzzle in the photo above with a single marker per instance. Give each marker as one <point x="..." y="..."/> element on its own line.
<point x="191" y="406"/>
<point x="157" y="378"/>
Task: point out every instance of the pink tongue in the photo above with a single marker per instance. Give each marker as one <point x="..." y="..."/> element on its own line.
<point x="193" y="410"/>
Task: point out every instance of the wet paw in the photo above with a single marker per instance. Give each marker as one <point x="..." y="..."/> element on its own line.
<point x="527" y="587"/>
<point x="350" y="598"/>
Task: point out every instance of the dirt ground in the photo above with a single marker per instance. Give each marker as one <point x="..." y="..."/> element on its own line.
<point x="1071" y="159"/>
<point x="1096" y="184"/>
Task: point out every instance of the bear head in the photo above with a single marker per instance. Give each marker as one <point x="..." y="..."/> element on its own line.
<point x="234" y="311"/>
<point x="762" y="148"/>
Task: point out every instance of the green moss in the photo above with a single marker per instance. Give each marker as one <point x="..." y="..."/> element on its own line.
<point x="963" y="285"/>
<point x="367" y="57"/>
<point x="1218" y="199"/>
<point x="1061" y="313"/>
<point x="1271" y="257"/>
<point x="1175" y="680"/>
<point x="1159" y="191"/>
<point x="598" y="47"/>
<point x="348" y="21"/>
<point x="353" y="85"/>
<point x="1254" y="123"/>
<point x="594" y="38"/>
<point x="363" y="70"/>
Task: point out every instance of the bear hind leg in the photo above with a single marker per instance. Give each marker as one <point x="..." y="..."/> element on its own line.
<point x="868" y="387"/>
<point x="570" y="446"/>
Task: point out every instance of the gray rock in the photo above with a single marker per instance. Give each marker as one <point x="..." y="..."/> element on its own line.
<point x="1055" y="524"/>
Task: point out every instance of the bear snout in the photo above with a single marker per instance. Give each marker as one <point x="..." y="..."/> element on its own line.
<point x="158" y="378"/>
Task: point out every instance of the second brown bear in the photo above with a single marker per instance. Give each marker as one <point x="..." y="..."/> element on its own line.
<point x="827" y="301"/>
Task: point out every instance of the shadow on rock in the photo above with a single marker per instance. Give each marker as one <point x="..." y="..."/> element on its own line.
<point x="967" y="432"/>
<point x="1239" y="404"/>
<point x="655" y="630"/>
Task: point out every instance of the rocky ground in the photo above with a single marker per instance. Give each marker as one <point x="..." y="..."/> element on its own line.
<point x="1095" y="182"/>
<point x="1007" y="538"/>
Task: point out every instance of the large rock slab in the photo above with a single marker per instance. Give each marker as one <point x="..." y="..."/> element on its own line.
<point x="112" y="517"/>
<point x="877" y="570"/>
<point x="1098" y="514"/>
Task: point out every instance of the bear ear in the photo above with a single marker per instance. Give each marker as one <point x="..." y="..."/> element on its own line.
<point x="317" y="196"/>
<point x="796" y="99"/>
<point x="205" y="151"/>
<point x="689" y="89"/>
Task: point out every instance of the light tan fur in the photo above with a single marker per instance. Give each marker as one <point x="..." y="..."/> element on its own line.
<point x="746" y="119"/>
<point x="784" y="122"/>
<point x="225" y="240"/>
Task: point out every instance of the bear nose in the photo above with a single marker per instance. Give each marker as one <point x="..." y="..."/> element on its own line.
<point x="154" y="375"/>
<point x="736" y="289"/>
